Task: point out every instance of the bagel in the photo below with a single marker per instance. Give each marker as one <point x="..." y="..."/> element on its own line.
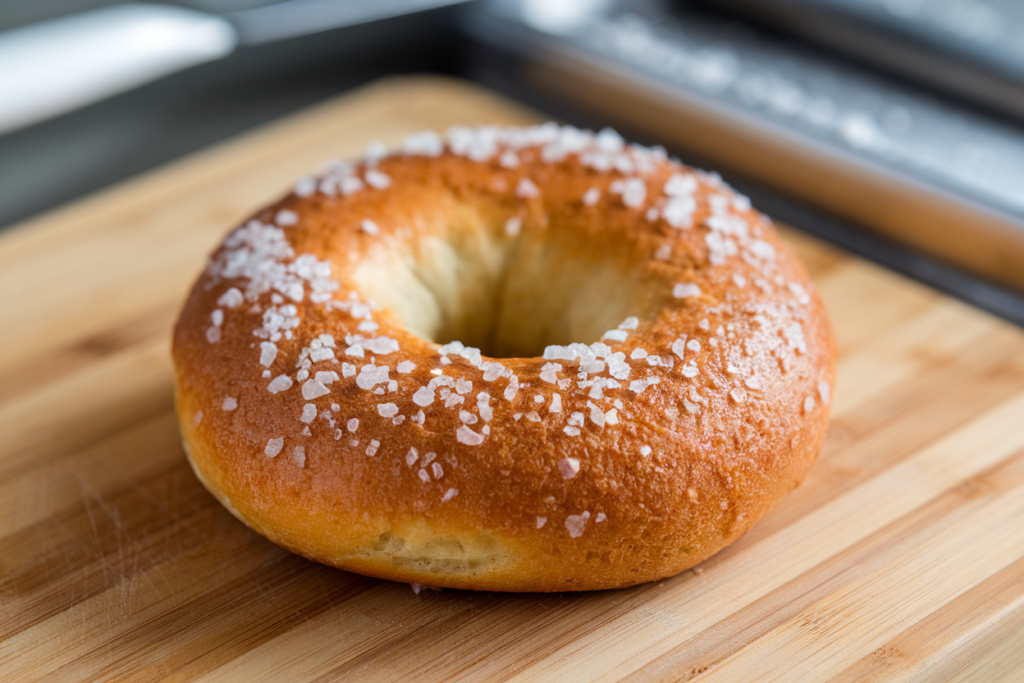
<point x="535" y="359"/>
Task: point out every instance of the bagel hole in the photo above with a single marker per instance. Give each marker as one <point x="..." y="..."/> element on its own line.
<point x="509" y="297"/>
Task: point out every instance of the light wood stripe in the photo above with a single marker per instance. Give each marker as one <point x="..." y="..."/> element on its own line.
<point x="901" y="557"/>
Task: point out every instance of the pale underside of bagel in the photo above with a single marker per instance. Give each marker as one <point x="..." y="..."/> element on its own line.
<point x="509" y="490"/>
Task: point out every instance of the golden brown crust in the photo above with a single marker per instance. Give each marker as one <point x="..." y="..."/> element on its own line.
<point x="673" y="459"/>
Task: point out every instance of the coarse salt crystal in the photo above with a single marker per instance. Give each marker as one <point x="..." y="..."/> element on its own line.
<point x="634" y="191"/>
<point x="645" y="451"/>
<point x="549" y="373"/>
<point x="575" y="524"/>
<point x="449" y="494"/>
<point x="424" y="396"/>
<point x="541" y="521"/>
<point x="513" y="226"/>
<point x="299" y="456"/>
<point x="405" y="367"/>
<point x="527" y="189"/>
<point x="508" y="159"/>
<point x="371" y="375"/>
<point x="568" y="467"/>
<point x="679" y="347"/>
<point x="231" y="298"/>
<point x="387" y="409"/>
<point x="285" y="218"/>
<point x="468" y="436"/>
<point x="678" y="212"/>
<point x="615" y="335"/>
<point x="308" y="413"/>
<point x="268" y="352"/>
<point x="428" y="143"/>
<point x="683" y="290"/>
<point x="679" y="185"/>
<point x="213" y="334"/>
<point x="229" y="404"/>
<point x="798" y="291"/>
<point x="640" y="385"/>
<point x="809" y="404"/>
<point x="305" y="186"/>
<point x="314" y="389"/>
<point x="556" y="404"/>
<point x="279" y="384"/>
<point x="274" y="446"/>
<point x="369" y="227"/>
<point x="371" y="450"/>
<point x="377" y="179"/>
<point x="591" y="196"/>
<point x="512" y="388"/>
<point x="823" y="392"/>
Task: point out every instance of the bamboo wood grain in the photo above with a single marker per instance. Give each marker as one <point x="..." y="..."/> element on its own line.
<point x="901" y="557"/>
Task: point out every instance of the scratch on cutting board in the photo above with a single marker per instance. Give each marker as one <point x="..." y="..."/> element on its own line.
<point x="113" y="572"/>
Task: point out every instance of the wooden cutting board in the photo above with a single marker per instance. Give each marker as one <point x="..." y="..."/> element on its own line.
<point x="900" y="557"/>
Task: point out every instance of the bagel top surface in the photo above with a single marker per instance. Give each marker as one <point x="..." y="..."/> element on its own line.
<point x="508" y="359"/>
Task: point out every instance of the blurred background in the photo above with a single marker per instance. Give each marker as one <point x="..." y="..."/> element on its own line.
<point x="893" y="128"/>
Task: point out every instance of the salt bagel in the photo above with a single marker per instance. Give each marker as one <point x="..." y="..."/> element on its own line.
<point x="531" y="359"/>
